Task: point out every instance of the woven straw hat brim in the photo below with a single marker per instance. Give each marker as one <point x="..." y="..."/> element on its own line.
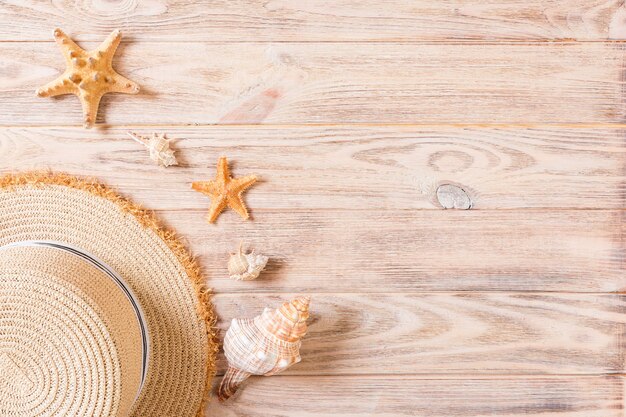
<point x="160" y="272"/>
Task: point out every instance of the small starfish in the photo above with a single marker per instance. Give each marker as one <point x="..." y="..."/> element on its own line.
<point x="88" y="74"/>
<point x="225" y="191"/>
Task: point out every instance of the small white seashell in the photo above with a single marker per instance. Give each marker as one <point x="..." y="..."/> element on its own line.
<point x="246" y="266"/>
<point x="275" y="338"/>
<point x="159" y="147"/>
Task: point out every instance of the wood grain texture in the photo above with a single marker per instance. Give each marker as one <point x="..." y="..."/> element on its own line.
<point x="313" y="83"/>
<point x="318" y="20"/>
<point x="353" y="113"/>
<point x="403" y="250"/>
<point x="360" y="396"/>
<point x="345" y="167"/>
<point x="450" y="333"/>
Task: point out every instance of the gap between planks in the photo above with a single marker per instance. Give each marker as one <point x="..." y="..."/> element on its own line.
<point x="400" y="210"/>
<point x="419" y="293"/>
<point x="424" y="41"/>
<point x="460" y="376"/>
<point x="103" y="127"/>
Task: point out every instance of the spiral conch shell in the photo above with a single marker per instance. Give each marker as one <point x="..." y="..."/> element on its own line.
<point x="246" y="266"/>
<point x="265" y="345"/>
<point x="159" y="148"/>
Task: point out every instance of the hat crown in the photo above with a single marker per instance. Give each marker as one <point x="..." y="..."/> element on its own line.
<point x="70" y="338"/>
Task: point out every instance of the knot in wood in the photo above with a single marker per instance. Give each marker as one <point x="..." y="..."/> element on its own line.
<point x="453" y="197"/>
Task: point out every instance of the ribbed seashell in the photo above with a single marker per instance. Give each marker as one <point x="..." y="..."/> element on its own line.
<point x="159" y="148"/>
<point x="265" y="345"/>
<point x="246" y="266"/>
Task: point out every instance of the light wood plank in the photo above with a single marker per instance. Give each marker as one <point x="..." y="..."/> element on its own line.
<point x="404" y="250"/>
<point x="337" y="207"/>
<point x="318" y="20"/>
<point x="450" y="333"/>
<point x="345" y="167"/>
<point x="360" y="396"/>
<point x="294" y="83"/>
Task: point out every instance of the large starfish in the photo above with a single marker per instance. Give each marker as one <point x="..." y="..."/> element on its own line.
<point x="88" y="74"/>
<point x="225" y="191"/>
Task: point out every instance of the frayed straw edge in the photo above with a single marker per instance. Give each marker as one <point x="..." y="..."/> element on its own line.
<point x="148" y="220"/>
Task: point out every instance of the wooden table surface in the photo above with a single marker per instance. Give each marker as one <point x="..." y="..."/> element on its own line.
<point x="353" y="114"/>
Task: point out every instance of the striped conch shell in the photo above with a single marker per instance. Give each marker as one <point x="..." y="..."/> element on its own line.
<point x="246" y="266"/>
<point x="159" y="148"/>
<point x="265" y="345"/>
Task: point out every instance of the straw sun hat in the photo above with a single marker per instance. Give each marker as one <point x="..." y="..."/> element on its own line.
<point x="102" y="312"/>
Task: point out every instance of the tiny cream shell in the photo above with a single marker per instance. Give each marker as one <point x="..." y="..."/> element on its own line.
<point x="246" y="266"/>
<point x="265" y="345"/>
<point x="159" y="147"/>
